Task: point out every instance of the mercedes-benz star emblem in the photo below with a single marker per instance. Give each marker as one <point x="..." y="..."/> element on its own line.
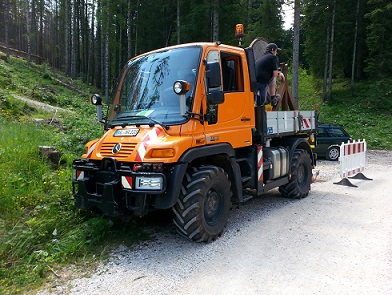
<point x="116" y="148"/>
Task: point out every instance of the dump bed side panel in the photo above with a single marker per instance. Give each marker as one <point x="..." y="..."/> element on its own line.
<point x="281" y="123"/>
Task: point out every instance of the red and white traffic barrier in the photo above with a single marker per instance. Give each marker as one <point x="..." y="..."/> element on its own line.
<point x="352" y="158"/>
<point x="352" y="161"/>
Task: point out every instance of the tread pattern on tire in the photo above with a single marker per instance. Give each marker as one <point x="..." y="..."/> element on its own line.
<point x="294" y="189"/>
<point x="189" y="210"/>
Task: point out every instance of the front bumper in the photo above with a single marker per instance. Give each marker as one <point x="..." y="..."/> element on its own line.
<point x="116" y="191"/>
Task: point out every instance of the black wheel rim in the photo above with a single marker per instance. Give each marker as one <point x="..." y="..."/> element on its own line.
<point x="212" y="207"/>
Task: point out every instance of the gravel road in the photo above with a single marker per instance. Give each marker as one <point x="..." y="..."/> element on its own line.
<point x="338" y="240"/>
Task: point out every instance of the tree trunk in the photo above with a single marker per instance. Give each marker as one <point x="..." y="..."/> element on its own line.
<point x="354" y="49"/>
<point x="67" y="32"/>
<point x="74" y="39"/>
<point x="295" y="69"/>
<point x="33" y="26"/>
<point x="331" y="51"/>
<point x="40" y="38"/>
<point x="105" y="41"/>
<point x="129" y="29"/>
<point x="56" y="56"/>
<point x="28" y="29"/>
<point x="137" y="29"/>
<point x="178" y="22"/>
<point x="91" y="64"/>
<point x="325" y="80"/>
<point x="84" y="35"/>
<point x="215" y="21"/>
<point x="6" y="26"/>
<point x="248" y="12"/>
<point x="120" y="49"/>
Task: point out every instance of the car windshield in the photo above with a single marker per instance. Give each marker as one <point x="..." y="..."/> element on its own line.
<point x="144" y="93"/>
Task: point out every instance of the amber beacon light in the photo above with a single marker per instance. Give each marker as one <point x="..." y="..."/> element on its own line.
<point x="239" y="32"/>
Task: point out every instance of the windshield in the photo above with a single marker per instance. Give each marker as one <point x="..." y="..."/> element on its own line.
<point x="144" y="94"/>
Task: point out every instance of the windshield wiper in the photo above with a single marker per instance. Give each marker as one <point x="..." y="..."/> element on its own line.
<point x="138" y="117"/>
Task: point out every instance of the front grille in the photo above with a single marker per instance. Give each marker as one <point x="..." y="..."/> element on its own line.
<point x="125" y="151"/>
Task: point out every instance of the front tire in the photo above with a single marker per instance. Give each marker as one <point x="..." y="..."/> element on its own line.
<point x="202" y="209"/>
<point x="301" y="176"/>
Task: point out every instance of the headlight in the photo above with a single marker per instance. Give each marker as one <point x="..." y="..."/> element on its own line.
<point x="149" y="183"/>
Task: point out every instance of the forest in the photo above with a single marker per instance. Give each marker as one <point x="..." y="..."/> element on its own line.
<point x="93" y="39"/>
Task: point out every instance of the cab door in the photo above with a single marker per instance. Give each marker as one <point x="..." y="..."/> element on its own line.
<point x="230" y="121"/>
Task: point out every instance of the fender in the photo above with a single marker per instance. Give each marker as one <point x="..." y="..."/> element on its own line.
<point x="208" y="150"/>
<point x="170" y="197"/>
<point x="299" y="143"/>
<point x="219" y="149"/>
<point x="334" y="145"/>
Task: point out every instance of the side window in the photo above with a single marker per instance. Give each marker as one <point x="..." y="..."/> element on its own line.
<point x="231" y="72"/>
<point x="212" y="57"/>
<point x="335" y="132"/>
<point x="338" y="132"/>
<point x="321" y="132"/>
<point x="212" y="110"/>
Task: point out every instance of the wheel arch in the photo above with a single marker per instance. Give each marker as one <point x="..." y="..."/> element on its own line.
<point x="298" y="143"/>
<point x="332" y="146"/>
<point x="221" y="155"/>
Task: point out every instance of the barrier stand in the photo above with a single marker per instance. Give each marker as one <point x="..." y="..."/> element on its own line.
<point x="352" y="162"/>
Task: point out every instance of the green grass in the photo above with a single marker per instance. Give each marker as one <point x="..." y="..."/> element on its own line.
<point x="365" y="114"/>
<point x="40" y="228"/>
<point x="39" y="224"/>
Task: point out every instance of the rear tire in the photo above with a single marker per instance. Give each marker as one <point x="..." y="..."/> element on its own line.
<point x="333" y="153"/>
<point x="202" y="209"/>
<point x="301" y="176"/>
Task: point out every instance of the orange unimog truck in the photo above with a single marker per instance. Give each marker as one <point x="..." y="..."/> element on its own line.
<point x="183" y="132"/>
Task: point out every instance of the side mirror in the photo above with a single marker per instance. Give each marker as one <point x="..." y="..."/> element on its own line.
<point x="213" y="75"/>
<point x="215" y="97"/>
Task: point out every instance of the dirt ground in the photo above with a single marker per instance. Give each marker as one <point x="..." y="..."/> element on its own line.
<point x="338" y="240"/>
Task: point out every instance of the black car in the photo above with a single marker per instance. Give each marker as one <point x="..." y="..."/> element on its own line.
<point x="329" y="139"/>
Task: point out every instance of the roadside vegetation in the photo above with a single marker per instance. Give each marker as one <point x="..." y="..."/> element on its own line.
<point x="365" y="112"/>
<point x="41" y="231"/>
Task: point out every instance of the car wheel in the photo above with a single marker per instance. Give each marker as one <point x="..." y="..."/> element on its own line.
<point x="333" y="153"/>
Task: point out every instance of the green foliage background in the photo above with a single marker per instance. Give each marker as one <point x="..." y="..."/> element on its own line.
<point x="92" y="39"/>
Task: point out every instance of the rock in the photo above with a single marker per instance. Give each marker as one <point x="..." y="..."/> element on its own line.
<point x="50" y="153"/>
